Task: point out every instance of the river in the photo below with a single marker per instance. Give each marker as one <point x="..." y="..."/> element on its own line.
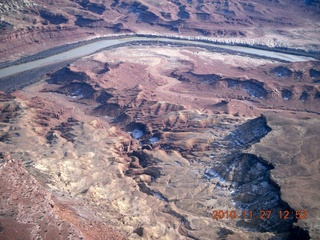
<point x="101" y="44"/>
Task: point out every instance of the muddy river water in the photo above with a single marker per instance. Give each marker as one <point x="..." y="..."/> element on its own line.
<point x="101" y="44"/>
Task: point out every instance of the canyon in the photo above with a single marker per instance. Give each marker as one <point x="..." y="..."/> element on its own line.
<point x="147" y="139"/>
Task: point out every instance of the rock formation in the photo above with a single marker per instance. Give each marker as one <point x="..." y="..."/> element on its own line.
<point x="159" y="140"/>
<point x="42" y="24"/>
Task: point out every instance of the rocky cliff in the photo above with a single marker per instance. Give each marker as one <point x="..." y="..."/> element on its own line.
<point x="44" y="24"/>
<point x="154" y="140"/>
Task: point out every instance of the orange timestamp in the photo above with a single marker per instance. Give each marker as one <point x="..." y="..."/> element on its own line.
<point x="262" y="214"/>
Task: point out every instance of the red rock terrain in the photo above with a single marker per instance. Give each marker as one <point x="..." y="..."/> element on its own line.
<point x="31" y="26"/>
<point x="142" y="139"/>
<point x="146" y="141"/>
<point x="29" y="211"/>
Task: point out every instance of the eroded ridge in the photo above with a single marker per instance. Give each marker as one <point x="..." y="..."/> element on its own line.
<point x="152" y="140"/>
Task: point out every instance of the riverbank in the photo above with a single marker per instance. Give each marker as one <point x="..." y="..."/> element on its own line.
<point x="13" y="77"/>
<point x="96" y="46"/>
<point x="18" y="81"/>
<point x="70" y="46"/>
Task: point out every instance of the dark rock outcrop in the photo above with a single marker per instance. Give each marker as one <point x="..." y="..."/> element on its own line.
<point x="108" y="109"/>
<point x="144" y="163"/>
<point x="282" y="72"/>
<point x="207" y="78"/>
<point x="5" y="25"/>
<point x="92" y="7"/>
<point x="314" y="73"/>
<point x="104" y="97"/>
<point x="203" y="16"/>
<point x="248" y="133"/>
<point x="286" y="94"/>
<point x="254" y="88"/>
<point x="53" y="18"/>
<point x="142" y="13"/>
<point x="183" y="14"/>
<point x="77" y="89"/>
<point x="304" y="96"/>
<point x="65" y="129"/>
<point x="85" y="22"/>
<point x="254" y="191"/>
<point x="166" y="15"/>
<point x="65" y="76"/>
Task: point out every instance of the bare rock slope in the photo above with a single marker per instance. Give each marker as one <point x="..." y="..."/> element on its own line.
<point x="151" y="140"/>
<point x="29" y="26"/>
<point x="161" y="141"/>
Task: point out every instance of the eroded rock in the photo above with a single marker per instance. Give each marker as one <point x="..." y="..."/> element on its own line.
<point x="248" y="133"/>
<point x="65" y="76"/>
<point x="282" y="72"/>
<point x="286" y="94"/>
<point x="53" y="18"/>
<point x="81" y="90"/>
